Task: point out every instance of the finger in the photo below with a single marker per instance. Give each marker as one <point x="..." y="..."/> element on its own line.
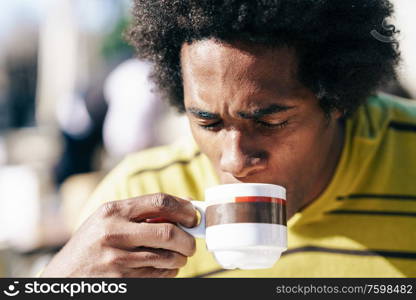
<point x="149" y="272"/>
<point x="166" y="236"/>
<point x="149" y="257"/>
<point x="144" y="207"/>
<point x="130" y="235"/>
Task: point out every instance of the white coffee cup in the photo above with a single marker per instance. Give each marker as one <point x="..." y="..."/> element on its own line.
<point x="244" y="224"/>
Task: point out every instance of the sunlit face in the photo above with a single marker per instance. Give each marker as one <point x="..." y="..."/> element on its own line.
<point x="255" y="121"/>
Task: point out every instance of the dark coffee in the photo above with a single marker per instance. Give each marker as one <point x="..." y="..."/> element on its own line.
<point x="246" y="212"/>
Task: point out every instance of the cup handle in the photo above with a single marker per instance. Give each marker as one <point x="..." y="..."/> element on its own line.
<point x="199" y="230"/>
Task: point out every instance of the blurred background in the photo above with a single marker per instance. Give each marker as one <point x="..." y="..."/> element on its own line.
<point x="73" y="102"/>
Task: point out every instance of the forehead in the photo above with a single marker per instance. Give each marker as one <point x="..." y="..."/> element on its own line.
<point x="260" y="64"/>
<point x="238" y="72"/>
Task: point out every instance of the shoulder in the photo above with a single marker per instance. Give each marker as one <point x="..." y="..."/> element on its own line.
<point x="385" y="107"/>
<point x="158" y="158"/>
<point x="179" y="169"/>
<point x="141" y="172"/>
<point x="160" y="169"/>
<point x="382" y="114"/>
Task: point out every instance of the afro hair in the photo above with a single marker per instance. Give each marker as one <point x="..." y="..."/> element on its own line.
<point x="339" y="59"/>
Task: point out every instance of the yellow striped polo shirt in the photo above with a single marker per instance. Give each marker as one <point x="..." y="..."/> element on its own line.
<point x="362" y="225"/>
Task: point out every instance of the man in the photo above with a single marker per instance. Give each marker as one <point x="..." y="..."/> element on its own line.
<point x="275" y="92"/>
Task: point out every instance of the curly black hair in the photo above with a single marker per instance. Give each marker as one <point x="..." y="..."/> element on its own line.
<point x="339" y="59"/>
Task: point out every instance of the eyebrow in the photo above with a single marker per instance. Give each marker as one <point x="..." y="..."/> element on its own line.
<point x="259" y="113"/>
<point x="203" y="114"/>
<point x="256" y="114"/>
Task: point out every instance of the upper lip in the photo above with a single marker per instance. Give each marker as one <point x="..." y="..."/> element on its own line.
<point x="247" y="178"/>
<point x="248" y="175"/>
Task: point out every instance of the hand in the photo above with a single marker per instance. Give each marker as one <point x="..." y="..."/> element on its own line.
<point x="118" y="241"/>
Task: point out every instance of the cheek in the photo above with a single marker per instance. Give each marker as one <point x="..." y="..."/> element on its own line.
<point x="284" y="159"/>
<point x="296" y="151"/>
<point x="307" y="150"/>
<point x="208" y="143"/>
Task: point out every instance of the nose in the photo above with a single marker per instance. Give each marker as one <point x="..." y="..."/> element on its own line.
<point x="241" y="155"/>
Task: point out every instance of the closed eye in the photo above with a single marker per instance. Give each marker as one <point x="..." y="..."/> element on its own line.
<point x="216" y="125"/>
<point x="272" y="125"/>
<point x="212" y="126"/>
